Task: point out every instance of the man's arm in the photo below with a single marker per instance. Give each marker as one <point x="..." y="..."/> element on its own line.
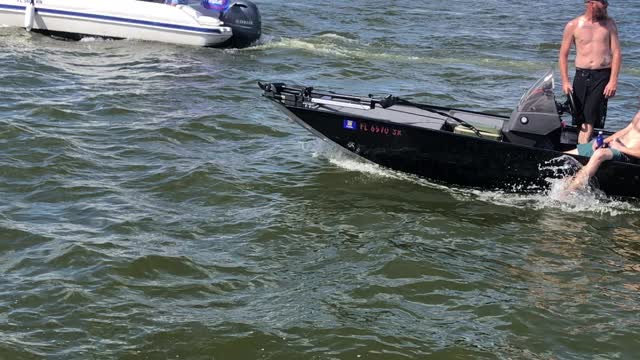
<point x="635" y="152"/>
<point x="563" y="59"/>
<point x="616" y="61"/>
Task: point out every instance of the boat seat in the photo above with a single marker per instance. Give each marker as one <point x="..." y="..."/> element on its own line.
<point x="490" y="126"/>
<point x="488" y="133"/>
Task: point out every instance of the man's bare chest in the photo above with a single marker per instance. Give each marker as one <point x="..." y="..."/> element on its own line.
<point x="592" y="33"/>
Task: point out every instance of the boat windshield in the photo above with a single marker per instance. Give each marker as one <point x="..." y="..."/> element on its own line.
<point x="539" y="98"/>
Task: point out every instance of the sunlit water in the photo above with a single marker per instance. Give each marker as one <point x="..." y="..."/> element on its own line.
<point x="154" y="206"/>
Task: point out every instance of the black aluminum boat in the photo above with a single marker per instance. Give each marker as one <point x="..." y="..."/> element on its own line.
<point x="450" y="145"/>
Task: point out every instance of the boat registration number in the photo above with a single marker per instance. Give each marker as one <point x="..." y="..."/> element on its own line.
<point x="379" y="129"/>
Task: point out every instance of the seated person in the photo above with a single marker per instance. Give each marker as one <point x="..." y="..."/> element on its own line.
<point x="621" y="146"/>
<point x="216" y="5"/>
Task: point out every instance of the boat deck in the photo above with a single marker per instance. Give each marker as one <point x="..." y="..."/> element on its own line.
<point x="409" y="115"/>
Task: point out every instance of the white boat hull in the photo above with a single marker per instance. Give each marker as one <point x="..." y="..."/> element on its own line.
<point x="123" y="19"/>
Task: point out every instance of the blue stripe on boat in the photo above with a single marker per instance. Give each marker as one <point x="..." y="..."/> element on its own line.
<point x="116" y="19"/>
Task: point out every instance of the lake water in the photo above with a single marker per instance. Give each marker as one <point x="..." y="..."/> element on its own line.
<point x="153" y="206"/>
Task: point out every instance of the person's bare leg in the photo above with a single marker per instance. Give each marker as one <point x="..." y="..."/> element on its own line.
<point x="582" y="177"/>
<point x="585" y="133"/>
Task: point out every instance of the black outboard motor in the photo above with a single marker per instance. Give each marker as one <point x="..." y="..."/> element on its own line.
<point x="244" y="19"/>
<point x="535" y="122"/>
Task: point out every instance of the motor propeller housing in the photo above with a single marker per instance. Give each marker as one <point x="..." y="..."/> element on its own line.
<point x="244" y="19"/>
<point x="242" y="16"/>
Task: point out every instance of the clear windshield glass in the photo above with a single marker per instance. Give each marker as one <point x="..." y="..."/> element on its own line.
<point x="539" y="98"/>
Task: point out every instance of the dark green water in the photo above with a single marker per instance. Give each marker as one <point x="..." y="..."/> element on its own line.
<point x="153" y="206"/>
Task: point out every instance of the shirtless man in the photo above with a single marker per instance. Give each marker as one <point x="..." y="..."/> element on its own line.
<point x="598" y="60"/>
<point x="620" y="146"/>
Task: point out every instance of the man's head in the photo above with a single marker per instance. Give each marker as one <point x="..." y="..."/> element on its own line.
<point x="598" y="8"/>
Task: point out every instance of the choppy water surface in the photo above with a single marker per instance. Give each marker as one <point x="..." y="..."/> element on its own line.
<point x="153" y="206"/>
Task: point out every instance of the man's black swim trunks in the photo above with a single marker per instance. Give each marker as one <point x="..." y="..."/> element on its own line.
<point x="588" y="89"/>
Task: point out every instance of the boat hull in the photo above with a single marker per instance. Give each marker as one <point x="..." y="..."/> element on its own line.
<point x="119" y="19"/>
<point x="451" y="158"/>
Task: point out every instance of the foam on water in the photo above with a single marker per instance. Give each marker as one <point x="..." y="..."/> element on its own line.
<point x="589" y="199"/>
<point x="332" y="45"/>
<point x="347" y="161"/>
<point x="326" y="48"/>
<point x="585" y="201"/>
<point x="93" y="39"/>
<point x="338" y="37"/>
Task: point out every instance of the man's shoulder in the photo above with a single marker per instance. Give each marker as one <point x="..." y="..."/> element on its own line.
<point x="610" y="22"/>
<point x="573" y="23"/>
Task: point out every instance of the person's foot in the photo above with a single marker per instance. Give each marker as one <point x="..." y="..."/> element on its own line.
<point x="578" y="181"/>
<point x="571" y="185"/>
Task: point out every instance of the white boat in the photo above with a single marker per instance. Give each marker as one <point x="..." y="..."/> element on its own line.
<point x="189" y="24"/>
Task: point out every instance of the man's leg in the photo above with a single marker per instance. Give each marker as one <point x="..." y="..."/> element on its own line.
<point x="580" y="91"/>
<point x="582" y="177"/>
<point x="594" y="104"/>
<point x="585" y="133"/>
<point x="582" y="149"/>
